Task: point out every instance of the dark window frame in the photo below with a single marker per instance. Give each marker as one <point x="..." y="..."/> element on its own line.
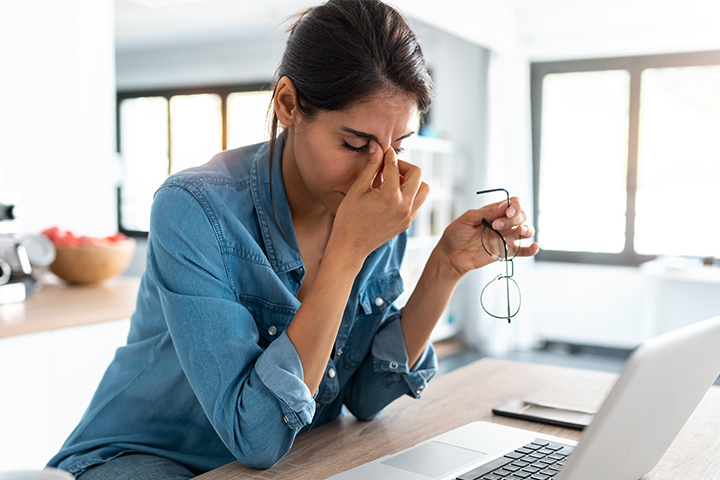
<point x="635" y="66"/>
<point x="222" y="90"/>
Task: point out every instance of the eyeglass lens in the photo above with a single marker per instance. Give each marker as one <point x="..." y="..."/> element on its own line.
<point x="498" y="247"/>
<point x="501" y="297"/>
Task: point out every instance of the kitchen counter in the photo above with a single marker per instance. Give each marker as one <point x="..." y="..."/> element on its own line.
<point x="57" y="305"/>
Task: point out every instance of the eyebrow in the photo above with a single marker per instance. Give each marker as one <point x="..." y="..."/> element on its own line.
<point x="371" y="136"/>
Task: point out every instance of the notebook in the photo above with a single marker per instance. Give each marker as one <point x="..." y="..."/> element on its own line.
<point x="661" y="384"/>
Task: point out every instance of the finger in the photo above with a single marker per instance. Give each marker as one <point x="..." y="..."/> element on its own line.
<point x="390" y="169"/>
<point x="529" y="251"/>
<point x="505" y="223"/>
<point x="372" y="167"/>
<point x="422" y="194"/>
<point x="512" y="208"/>
<point x="410" y="177"/>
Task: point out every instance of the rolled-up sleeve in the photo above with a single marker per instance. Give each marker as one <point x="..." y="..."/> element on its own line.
<point x="385" y="374"/>
<point x="280" y="369"/>
<point x="255" y="398"/>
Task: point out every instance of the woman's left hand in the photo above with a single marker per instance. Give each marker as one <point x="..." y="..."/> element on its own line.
<point x="461" y="241"/>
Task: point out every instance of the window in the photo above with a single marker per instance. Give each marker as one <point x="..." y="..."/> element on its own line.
<point x="627" y="157"/>
<point x="163" y="132"/>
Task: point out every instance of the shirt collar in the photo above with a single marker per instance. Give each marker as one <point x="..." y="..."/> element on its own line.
<point x="275" y="224"/>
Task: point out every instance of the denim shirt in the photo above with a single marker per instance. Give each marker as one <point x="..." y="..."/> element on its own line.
<point x="209" y="374"/>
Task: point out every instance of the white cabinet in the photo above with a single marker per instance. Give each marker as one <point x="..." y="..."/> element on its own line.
<point x="46" y="382"/>
<point x="437" y="160"/>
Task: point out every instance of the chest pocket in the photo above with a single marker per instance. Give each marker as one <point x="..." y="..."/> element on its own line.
<point x="380" y="292"/>
<point x="374" y="300"/>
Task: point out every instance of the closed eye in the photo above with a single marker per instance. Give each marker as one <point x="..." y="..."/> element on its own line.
<point x="354" y="149"/>
<point x="364" y="147"/>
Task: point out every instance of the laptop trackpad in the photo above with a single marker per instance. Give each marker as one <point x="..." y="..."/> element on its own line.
<point x="433" y="459"/>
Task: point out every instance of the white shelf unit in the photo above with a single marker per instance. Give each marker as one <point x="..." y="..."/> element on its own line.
<point x="437" y="160"/>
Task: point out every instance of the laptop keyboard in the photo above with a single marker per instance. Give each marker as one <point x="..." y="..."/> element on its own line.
<point x="538" y="460"/>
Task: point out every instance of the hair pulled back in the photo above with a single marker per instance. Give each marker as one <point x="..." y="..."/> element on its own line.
<point x="343" y="52"/>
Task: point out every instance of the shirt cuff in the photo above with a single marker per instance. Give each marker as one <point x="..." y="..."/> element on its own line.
<point x="389" y="355"/>
<point x="280" y="369"/>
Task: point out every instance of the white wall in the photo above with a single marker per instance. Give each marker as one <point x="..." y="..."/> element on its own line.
<point x="57" y="120"/>
<point x="230" y="61"/>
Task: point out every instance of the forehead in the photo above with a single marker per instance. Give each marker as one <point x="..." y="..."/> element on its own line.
<point x="382" y="115"/>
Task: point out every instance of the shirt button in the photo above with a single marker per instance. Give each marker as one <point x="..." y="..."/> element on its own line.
<point x="285" y="419"/>
<point x="393" y="365"/>
<point x="379" y="301"/>
<point x="331" y="373"/>
<point x="272" y="330"/>
<point x="339" y="352"/>
<point x="419" y="390"/>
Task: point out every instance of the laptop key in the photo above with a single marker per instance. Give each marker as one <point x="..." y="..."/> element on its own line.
<point x="539" y="476"/>
<point x="485" y="469"/>
<point x="514" y="455"/>
<point x="492" y="476"/>
<point x="522" y="474"/>
<point x="566" y="450"/>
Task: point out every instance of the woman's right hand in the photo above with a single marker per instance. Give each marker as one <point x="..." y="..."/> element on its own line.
<point x="381" y="203"/>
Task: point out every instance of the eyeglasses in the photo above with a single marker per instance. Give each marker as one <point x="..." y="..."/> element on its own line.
<point x="502" y="291"/>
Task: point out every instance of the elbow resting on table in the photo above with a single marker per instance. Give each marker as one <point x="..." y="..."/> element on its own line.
<point x="261" y="457"/>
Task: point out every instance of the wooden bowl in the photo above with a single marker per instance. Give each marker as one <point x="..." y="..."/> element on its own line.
<point x="82" y="264"/>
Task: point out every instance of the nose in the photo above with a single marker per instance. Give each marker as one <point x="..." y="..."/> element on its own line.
<point x="384" y="146"/>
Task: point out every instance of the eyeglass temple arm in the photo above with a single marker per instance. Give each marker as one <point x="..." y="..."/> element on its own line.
<point x="507" y="195"/>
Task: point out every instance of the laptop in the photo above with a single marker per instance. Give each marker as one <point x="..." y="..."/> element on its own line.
<point x="661" y="384"/>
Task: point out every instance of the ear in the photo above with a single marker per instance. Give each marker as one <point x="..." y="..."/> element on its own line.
<point x="285" y="103"/>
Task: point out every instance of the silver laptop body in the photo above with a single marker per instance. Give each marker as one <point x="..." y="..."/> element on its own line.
<point x="662" y="383"/>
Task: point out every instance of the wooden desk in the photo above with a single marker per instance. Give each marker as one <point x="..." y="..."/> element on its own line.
<point x="468" y="394"/>
<point x="59" y="306"/>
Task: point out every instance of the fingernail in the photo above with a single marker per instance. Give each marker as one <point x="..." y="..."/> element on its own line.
<point x="372" y="147"/>
<point x="511" y="212"/>
<point x="497" y="225"/>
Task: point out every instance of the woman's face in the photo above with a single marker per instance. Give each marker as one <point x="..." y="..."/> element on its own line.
<point x="332" y="148"/>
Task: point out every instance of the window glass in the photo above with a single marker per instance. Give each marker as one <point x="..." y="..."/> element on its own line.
<point x="678" y="193"/>
<point x="144" y="147"/>
<point x="247" y="118"/>
<point x="583" y="161"/>
<point x="196" y="130"/>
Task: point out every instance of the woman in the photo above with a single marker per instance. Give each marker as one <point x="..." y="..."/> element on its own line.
<point x="267" y="302"/>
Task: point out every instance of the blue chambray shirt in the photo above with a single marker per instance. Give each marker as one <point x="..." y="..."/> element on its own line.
<point x="208" y="374"/>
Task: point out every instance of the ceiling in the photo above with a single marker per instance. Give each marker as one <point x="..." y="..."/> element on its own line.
<point x="548" y="28"/>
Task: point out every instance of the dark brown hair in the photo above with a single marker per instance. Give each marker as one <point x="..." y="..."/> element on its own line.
<point x="343" y="52"/>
